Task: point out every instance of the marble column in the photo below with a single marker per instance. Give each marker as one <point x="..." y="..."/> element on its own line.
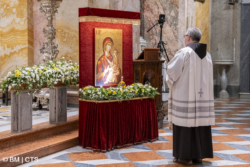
<point x="21" y="111"/>
<point x="99" y="4"/>
<point x="136" y="40"/>
<point x="39" y="24"/>
<point x="203" y="21"/>
<point x="133" y="5"/>
<point x="58" y="105"/>
<point x="181" y="23"/>
<point x="170" y="35"/>
<point x="16" y="35"/>
<point x="67" y="29"/>
<point x="224" y="43"/>
<point x="115" y="4"/>
<point x="245" y="51"/>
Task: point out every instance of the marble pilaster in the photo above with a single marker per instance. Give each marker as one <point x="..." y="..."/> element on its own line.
<point x="222" y="30"/>
<point x="245" y="49"/>
<point x="134" y="6"/>
<point x="186" y="19"/>
<point x="203" y="21"/>
<point x="181" y="24"/>
<point x="115" y="4"/>
<point x="136" y="40"/>
<point x="225" y="41"/>
<point x="40" y="23"/>
<point x="152" y="10"/>
<point x="234" y="71"/>
<point x="190" y="13"/>
<point x="131" y="5"/>
<point x="67" y="29"/>
<point x="99" y="4"/>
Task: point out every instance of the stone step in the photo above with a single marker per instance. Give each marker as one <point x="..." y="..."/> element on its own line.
<point x="39" y="131"/>
<point x="38" y="148"/>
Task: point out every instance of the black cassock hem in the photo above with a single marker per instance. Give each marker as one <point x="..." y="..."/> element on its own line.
<point x="192" y="143"/>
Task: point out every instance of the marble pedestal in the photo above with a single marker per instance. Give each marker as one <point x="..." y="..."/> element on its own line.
<point x="21" y="112"/>
<point x="244" y="95"/>
<point x="58" y="105"/>
<point x="224" y="94"/>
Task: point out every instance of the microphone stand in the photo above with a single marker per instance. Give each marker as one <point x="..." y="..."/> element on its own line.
<point x="161" y="43"/>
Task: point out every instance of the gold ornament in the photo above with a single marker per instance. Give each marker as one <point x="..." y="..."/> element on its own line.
<point x="122" y="83"/>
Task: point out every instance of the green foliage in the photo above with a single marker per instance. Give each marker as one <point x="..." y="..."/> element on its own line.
<point x="45" y="75"/>
<point x="118" y="93"/>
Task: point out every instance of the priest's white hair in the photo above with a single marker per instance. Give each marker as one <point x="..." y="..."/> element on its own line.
<point x="195" y="33"/>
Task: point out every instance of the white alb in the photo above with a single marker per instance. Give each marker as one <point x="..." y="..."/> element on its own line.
<point x="191" y="97"/>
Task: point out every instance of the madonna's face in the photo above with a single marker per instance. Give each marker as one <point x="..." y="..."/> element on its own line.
<point x="108" y="47"/>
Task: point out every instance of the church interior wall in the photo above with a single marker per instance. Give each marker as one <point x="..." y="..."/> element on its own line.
<point x="66" y="24"/>
<point x="170" y="28"/>
<point x="16" y="31"/>
<point x="181" y="23"/>
<point x="234" y="71"/>
<point x="131" y="5"/>
<point x="40" y="23"/>
<point x="180" y="14"/>
<point x="151" y="11"/>
<point x="203" y="21"/>
<point x="115" y="4"/>
<point x="190" y="10"/>
<point x="67" y="29"/>
<point x="22" y="25"/>
<point x="97" y="4"/>
<point x="223" y="38"/>
<point x="245" y="49"/>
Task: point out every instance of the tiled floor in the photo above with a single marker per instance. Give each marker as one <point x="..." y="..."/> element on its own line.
<point x="231" y="144"/>
<point x="39" y="116"/>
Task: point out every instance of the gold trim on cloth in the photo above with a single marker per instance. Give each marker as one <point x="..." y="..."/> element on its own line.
<point x="108" y="101"/>
<point x="109" y="20"/>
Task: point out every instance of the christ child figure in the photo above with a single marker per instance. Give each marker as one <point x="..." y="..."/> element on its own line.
<point x="114" y="69"/>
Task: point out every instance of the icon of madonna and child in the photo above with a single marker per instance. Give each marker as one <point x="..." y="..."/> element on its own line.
<point x="108" y="71"/>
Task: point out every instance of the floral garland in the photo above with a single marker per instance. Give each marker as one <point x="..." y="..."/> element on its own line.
<point x="45" y="75"/>
<point x="118" y="93"/>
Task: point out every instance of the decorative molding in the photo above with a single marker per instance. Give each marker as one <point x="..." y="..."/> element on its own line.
<point x="49" y="48"/>
<point x="244" y="95"/>
<point x="245" y="1"/>
<point x="109" y="20"/>
<point x="233" y="90"/>
<point x="232" y="2"/>
<point x="202" y="1"/>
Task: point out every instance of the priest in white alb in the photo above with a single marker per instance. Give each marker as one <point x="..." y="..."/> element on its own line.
<point x="191" y="100"/>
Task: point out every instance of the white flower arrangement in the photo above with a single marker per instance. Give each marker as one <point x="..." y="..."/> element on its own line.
<point x="38" y="76"/>
<point x="118" y="93"/>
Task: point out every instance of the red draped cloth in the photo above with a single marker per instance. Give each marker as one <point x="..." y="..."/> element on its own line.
<point x="104" y="126"/>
